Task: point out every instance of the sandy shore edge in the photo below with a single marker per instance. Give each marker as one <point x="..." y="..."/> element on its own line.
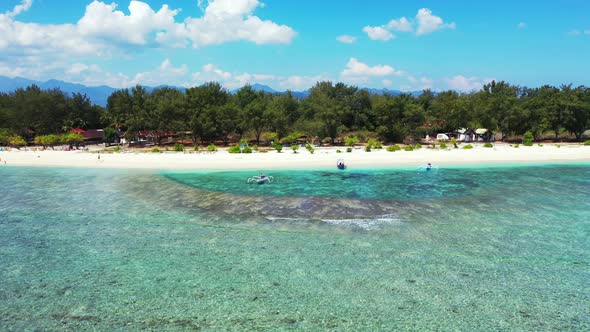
<point x="322" y="158"/>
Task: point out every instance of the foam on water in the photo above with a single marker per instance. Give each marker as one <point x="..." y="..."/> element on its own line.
<point x="355" y="223"/>
<point x="366" y="224"/>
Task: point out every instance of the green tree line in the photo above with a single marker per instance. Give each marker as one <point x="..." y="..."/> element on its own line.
<point x="331" y="111"/>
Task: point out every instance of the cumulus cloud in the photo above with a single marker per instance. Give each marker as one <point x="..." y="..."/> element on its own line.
<point x="359" y="71"/>
<point x="347" y="39"/>
<point x="104" y="21"/>
<point x="103" y="27"/>
<point x="165" y="73"/>
<point x="422" y="83"/>
<point x="378" y="33"/>
<point x="19" y="38"/>
<point x="462" y="83"/>
<point x="231" y="20"/>
<point x="387" y="83"/>
<point x="104" y="31"/>
<point x="212" y="69"/>
<point x="77" y="68"/>
<point x="211" y="72"/>
<point x="428" y="23"/>
<point x="242" y="79"/>
<point x="401" y="24"/>
<point x="94" y="75"/>
<point x="298" y="83"/>
<point x="424" y="23"/>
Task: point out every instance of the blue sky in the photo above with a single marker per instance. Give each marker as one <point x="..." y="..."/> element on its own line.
<point x="289" y="44"/>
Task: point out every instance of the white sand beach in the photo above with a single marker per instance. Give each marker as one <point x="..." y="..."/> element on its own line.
<point x="324" y="157"/>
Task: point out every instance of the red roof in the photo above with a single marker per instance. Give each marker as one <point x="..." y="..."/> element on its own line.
<point x="78" y="131"/>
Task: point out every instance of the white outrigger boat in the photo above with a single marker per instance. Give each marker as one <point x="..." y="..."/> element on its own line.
<point x="261" y="179"/>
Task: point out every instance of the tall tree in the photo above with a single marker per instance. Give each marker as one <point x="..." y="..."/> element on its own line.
<point x="118" y="112"/>
<point x="254" y="115"/>
<point x="199" y="103"/>
<point x="497" y="100"/>
<point x="577" y="110"/>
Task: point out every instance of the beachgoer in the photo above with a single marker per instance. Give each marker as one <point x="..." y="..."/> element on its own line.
<point x="428" y="166"/>
<point x="99" y="156"/>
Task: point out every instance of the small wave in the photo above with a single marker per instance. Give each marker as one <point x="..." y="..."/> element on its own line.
<point x="360" y="223"/>
<point x="364" y="223"/>
<point x="286" y="219"/>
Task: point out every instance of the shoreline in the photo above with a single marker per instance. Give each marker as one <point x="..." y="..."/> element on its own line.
<point x="323" y="158"/>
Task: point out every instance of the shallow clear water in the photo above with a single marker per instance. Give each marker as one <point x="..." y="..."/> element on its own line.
<point x="504" y="248"/>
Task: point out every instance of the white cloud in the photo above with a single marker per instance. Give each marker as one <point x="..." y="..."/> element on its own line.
<point x="231" y="20"/>
<point x="231" y="8"/>
<point x="426" y="83"/>
<point x="401" y="24"/>
<point x="212" y="69"/>
<point x="462" y="83"/>
<point x="359" y="70"/>
<point x="425" y="23"/>
<point x="242" y="79"/>
<point x="94" y="75"/>
<point x="23" y="7"/>
<point x="166" y="73"/>
<point x="210" y="72"/>
<point x="426" y="80"/>
<point x="417" y="84"/>
<point x="521" y="25"/>
<point x="104" y="21"/>
<point x="229" y="80"/>
<point x="378" y="33"/>
<point x="18" y="39"/>
<point x="299" y="83"/>
<point x="11" y="70"/>
<point x="428" y="23"/>
<point x="103" y="29"/>
<point x="44" y="51"/>
<point x="355" y="72"/>
<point x="347" y="39"/>
<point x="77" y="68"/>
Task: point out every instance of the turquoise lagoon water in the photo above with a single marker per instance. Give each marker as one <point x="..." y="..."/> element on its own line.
<point x="505" y="248"/>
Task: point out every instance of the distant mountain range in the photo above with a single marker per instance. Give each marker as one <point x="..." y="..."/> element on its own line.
<point x="99" y="94"/>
